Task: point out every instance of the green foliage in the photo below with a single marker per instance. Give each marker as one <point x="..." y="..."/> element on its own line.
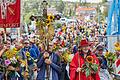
<point x="87" y="72"/>
<point x="89" y="67"/>
<point x="27" y="15"/>
<point x="94" y="67"/>
<point x="103" y="1"/>
<point x="111" y="57"/>
<point x="105" y="13"/>
<point x="60" y="6"/>
<point x="58" y="25"/>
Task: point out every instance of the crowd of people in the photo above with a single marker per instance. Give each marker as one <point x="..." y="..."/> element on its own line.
<point x="75" y="53"/>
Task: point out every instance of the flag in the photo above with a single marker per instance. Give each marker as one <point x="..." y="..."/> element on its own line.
<point x="10" y="14"/>
<point x="114" y="19"/>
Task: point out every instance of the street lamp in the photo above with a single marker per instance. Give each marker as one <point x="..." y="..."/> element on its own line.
<point x="44" y="5"/>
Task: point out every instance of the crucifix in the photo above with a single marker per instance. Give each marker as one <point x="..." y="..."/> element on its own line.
<point x="4" y="6"/>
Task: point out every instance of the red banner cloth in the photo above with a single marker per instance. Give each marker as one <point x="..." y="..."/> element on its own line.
<point x="10" y="14"/>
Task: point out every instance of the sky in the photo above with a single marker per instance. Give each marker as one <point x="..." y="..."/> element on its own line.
<point x="91" y="1"/>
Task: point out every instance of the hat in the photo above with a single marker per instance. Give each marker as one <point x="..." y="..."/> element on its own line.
<point x="84" y="43"/>
<point x="99" y="47"/>
<point x="26" y="41"/>
<point x="31" y="39"/>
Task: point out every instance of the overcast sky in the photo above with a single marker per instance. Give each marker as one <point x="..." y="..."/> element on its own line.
<point x="92" y="1"/>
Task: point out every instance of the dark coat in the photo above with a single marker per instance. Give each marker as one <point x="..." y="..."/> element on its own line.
<point x="54" y="65"/>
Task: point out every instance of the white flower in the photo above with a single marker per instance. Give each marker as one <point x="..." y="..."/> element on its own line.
<point x="22" y="65"/>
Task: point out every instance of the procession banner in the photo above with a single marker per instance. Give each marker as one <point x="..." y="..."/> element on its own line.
<point x="9" y="13"/>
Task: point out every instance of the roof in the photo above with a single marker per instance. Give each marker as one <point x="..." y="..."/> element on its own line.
<point x="85" y="9"/>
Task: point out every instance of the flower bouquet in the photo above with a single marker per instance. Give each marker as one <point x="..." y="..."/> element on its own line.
<point x="28" y="68"/>
<point x="56" y="47"/>
<point x="67" y="56"/>
<point x="29" y="58"/>
<point x="11" y="57"/>
<point x="11" y="62"/>
<point x="89" y="67"/>
<point x="110" y="57"/>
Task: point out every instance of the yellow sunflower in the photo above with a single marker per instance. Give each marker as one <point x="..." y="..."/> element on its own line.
<point x="50" y="17"/>
<point x="117" y="44"/>
<point x="89" y="59"/>
<point x="27" y="54"/>
<point x="48" y="22"/>
<point x="117" y="48"/>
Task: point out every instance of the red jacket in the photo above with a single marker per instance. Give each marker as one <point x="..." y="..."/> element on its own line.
<point x="74" y="65"/>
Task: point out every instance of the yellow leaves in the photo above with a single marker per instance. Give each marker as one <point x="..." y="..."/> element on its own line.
<point x="23" y="63"/>
<point x="14" y="49"/>
<point x="11" y="53"/>
<point x="106" y="54"/>
<point x="17" y="57"/>
<point x="67" y="56"/>
<point x="117" y="48"/>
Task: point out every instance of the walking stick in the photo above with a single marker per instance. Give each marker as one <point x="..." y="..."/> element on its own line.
<point x="79" y="64"/>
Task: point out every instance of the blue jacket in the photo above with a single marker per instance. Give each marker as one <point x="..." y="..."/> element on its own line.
<point x="54" y="65"/>
<point x="34" y="46"/>
<point x="75" y="49"/>
<point x="32" y="54"/>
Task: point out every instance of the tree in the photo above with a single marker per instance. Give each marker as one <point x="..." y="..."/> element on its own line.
<point x="60" y="6"/>
<point x="104" y="1"/>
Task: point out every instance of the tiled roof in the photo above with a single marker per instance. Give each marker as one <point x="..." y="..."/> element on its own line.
<point x="84" y="9"/>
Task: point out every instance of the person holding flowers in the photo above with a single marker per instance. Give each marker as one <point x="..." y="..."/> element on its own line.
<point x="104" y="74"/>
<point x="117" y="61"/>
<point x="84" y="65"/>
<point x="29" y="56"/>
<point x="2" y="50"/>
<point x="10" y="58"/>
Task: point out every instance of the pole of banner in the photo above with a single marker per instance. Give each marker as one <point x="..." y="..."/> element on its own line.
<point x="21" y="20"/>
<point x="5" y="39"/>
<point x="5" y="31"/>
<point x="5" y="35"/>
<point x="119" y="20"/>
